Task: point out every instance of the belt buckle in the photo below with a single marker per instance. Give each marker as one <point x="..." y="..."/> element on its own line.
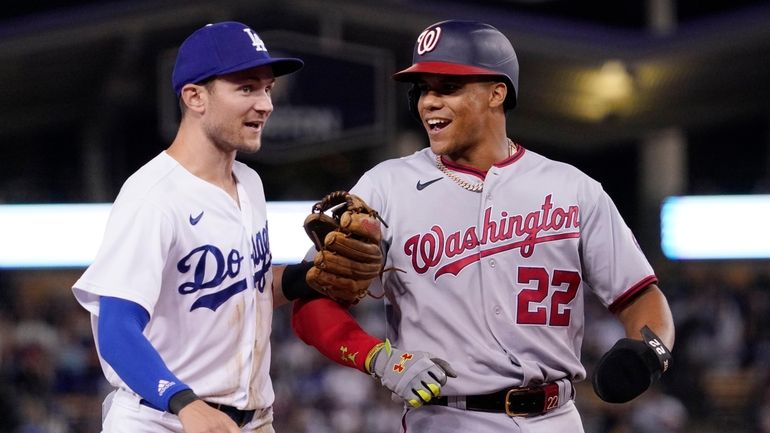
<point x="508" y="394"/>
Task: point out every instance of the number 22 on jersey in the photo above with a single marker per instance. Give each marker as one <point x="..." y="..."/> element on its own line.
<point x="532" y="306"/>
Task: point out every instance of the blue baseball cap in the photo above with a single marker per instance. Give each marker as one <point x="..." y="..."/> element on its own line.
<point x="224" y="48"/>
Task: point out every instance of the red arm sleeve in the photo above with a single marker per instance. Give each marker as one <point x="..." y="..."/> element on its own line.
<point x="329" y="327"/>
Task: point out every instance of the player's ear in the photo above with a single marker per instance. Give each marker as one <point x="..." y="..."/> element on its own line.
<point x="497" y="94"/>
<point x="194" y="97"/>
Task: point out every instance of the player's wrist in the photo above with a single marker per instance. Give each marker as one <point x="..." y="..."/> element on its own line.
<point x="658" y="356"/>
<point x="293" y="282"/>
<point x="372" y="356"/>
<point x="180" y="400"/>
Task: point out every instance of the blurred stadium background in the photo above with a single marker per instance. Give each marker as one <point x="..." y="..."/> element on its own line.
<point x="652" y="98"/>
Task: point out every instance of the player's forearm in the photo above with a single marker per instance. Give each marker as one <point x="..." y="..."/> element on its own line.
<point x="278" y="297"/>
<point x="329" y="327"/>
<point x="130" y="354"/>
<point x="289" y="283"/>
<point x="650" y="308"/>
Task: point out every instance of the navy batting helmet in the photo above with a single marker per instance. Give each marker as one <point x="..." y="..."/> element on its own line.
<point x="457" y="47"/>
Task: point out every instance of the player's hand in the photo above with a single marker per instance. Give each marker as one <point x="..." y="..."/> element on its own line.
<point x="414" y="377"/>
<point x="199" y="417"/>
<point x="630" y="367"/>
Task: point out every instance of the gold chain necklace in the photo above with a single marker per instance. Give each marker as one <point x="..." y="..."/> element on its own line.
<point x="472" y="187"/>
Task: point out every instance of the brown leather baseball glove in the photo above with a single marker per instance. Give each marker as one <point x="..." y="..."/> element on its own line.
<point x="348" y="243"/>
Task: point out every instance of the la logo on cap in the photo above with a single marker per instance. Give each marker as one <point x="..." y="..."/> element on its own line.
<point x="255" y="40"/>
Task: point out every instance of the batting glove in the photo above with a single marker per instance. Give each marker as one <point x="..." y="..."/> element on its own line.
<point x="415" y="377"/>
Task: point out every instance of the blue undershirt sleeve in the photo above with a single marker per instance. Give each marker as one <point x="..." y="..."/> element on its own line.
<point x="123" y="345"/>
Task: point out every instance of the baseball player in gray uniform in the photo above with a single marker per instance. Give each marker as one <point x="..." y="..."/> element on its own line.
<point x="182" y="290"/>
<point x="499" y="246"/>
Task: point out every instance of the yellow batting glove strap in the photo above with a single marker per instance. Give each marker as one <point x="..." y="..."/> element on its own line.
<point x="372" y="353"/>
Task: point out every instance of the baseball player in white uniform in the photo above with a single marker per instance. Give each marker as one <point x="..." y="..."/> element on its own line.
<point x="499" y="245"/>
<point x="181" y="292"/>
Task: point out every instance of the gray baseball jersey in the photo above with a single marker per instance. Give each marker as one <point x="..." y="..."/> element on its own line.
<point x="494" y="281"/>
<point x="200" y="265"/>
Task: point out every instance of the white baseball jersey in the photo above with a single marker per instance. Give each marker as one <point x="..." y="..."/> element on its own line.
<point x="200" y="265"/>
<point x="494" y="281"/>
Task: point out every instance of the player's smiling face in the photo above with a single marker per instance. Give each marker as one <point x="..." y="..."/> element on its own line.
<point x="454" y="110"/>
<point x="239" y="105"/>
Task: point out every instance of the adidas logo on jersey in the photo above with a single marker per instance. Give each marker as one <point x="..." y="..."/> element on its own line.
<point x="164" y="385"/>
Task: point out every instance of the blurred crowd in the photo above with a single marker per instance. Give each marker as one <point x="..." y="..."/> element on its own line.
<point x="50" y="378"/>
<point x="51" y="382"/>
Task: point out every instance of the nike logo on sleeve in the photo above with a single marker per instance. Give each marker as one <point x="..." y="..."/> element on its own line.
<point x="421" y="186"/>
<point x="195" y="220"/>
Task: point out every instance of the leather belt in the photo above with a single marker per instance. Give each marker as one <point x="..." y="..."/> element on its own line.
<point x="240" y="417"/>
<point x="519" y="401"/>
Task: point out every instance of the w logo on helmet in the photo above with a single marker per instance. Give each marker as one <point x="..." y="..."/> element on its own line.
<point x="427" y="40"/>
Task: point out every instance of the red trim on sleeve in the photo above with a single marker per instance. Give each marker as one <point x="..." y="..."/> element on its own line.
<point x="631" y="293"/>
<point x="329" y="327"/>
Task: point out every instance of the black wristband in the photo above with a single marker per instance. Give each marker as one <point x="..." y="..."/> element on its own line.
<point x="659" y="349"/>
<point x="293" y="282"/>
<point x="181" y="399"/>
